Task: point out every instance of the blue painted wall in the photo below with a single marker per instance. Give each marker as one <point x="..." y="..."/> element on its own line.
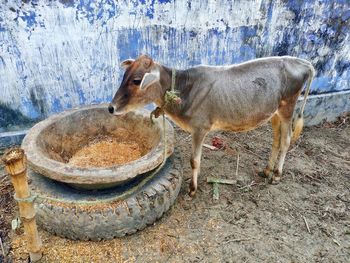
<point x="56" y="55"/>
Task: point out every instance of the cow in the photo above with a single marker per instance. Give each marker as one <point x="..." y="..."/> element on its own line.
<point x="238" y="98"/>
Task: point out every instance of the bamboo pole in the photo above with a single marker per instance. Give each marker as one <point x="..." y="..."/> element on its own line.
<point x="16" y="166"/>
<point x="220" y="181"/>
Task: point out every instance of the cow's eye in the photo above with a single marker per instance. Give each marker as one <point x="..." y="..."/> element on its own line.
<point x="137" y="81"/>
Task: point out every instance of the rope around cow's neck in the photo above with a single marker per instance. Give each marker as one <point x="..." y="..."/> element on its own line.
<point x="171" y="98"/>
<point x="173" y="75"/>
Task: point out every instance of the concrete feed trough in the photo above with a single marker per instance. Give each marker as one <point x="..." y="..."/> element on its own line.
<point x="51" y="143"/>
<point x="125" y="198"/>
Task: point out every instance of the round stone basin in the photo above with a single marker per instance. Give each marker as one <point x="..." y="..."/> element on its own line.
<point x="51" y="143"/>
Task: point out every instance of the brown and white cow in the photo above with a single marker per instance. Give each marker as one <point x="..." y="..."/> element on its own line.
<point x="238" y="97"/>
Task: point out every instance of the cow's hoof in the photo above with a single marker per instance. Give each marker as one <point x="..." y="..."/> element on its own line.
<point x="262" y="174"/>
<point x="268" y="175"/>
<point x="192" y="193"/>
<point x="275" y="178"/>
<point x="193" y="189"/>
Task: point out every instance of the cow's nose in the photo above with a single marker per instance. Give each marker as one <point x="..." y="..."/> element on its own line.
<point x="110" y="109"/>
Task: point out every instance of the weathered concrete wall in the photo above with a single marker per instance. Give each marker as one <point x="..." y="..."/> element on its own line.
<point x="56" y="55"/>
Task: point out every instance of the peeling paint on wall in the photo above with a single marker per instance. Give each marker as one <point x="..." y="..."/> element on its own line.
<point x="56" y="55"/>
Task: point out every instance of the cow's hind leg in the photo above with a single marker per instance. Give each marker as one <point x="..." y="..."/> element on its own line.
<point x="197" y="141"/>
<point x="276" y="128"/>
<point x="285" y="113"/>
<point x="285" y="142"/>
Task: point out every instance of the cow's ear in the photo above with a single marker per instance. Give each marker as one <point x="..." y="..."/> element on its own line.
<point x="149" y="79"/>
<point x="126" y="63"/>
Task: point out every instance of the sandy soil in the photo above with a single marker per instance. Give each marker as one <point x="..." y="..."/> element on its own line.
<point x="251" y="222"/>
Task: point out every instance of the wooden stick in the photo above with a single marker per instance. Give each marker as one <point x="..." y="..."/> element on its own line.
<point x="2" y="248"/>
<point x="307" y="225"/>
<point x="220" y="181"/>
<point x="336" y="242"/>
<point x="247" y="186"/>
<point x="210" y="146"/>
<point x="16" y="164"/>
<point x="215" y="191"/>
<point x="237" y="165"/>
<point x="238" y="240"/>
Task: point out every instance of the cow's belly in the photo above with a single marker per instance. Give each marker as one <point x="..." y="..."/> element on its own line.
<point x="242" y="125"/>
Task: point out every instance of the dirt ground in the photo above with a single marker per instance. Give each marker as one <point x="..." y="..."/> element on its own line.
<point x="305" y="218"/>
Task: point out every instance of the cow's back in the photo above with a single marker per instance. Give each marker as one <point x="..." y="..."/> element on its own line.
<point x="243" y="96"/>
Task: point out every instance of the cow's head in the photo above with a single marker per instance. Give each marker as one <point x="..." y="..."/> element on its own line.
<point x="139" y="86"/>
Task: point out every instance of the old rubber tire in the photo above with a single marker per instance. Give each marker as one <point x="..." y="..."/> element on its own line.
<point x="108" y="219"/>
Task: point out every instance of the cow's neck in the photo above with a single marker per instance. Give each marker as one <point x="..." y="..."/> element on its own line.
<point x="182" y="87"/>
<point x="180" y="84"/>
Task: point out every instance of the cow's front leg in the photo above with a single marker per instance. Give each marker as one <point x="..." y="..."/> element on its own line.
<point x="197" y="141"/>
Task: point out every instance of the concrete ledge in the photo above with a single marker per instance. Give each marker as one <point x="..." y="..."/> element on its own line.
<point x="325" y="107"/>
<point x="8" y="139"/>
<point x="319" y="108"/>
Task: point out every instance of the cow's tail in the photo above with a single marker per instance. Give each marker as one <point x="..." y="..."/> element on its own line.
<point x="298" y="122"/>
